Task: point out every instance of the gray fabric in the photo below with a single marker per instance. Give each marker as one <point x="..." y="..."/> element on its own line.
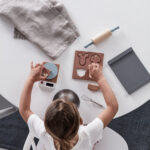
<point x="6" y="112"/>
<point x="19" y="35"/>
<point x="6" y="108"/>
<point x="43" y="22"/>
<point x="4" y="103"/>
<point x="61" y="8"/>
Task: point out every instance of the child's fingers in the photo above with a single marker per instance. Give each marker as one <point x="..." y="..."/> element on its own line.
<point x="42" y="65"/>
<point x="94" y="64"/>
<point x="48" y="71"/>
<point x="90" y="72"/>
<point x="94" y="70"/>
<point x="42" y="78"/>
<point x="37" y="65"/>
<point x="90" y="67"/>
<point x="45" y="71"/>
<point x="90" y="76"/>
<point x="97" y="65"/>
<point x="101" y="68"/>
<point x="31" y="64"/>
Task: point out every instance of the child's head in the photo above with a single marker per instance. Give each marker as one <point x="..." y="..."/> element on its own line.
<point x="62" y="121"/>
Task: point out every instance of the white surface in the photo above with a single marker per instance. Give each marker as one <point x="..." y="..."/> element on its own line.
<point x="91" y="17"/>
<point x="111" y="141"/>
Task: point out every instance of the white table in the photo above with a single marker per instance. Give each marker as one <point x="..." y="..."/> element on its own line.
<point x="90" y="17"/>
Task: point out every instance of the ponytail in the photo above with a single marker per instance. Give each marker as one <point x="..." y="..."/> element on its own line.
<point x="62" y="121"/>
<point x="63" y="145"/>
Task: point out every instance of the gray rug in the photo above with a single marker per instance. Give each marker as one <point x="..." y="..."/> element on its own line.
<point x="6" y="108"/>
<point x="134" y="127"/>
<point x="13" y="129"/>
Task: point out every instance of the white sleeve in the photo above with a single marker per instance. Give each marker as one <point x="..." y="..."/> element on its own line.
<point x="95" y="130"/>
<point x="36" y="125"/>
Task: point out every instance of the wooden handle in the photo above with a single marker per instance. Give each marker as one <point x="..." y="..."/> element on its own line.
<point x="102" y="36"/>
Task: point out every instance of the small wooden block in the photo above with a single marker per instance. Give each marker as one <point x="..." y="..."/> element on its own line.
<point x="93" y="88"/>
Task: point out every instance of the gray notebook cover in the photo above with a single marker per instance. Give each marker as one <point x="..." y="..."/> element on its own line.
<point x="129" y="70"/>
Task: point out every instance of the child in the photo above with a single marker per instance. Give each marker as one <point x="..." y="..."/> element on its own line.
<point x="62" y="127"/>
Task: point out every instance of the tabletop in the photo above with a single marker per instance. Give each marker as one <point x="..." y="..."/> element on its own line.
<point x="90" y="17"/>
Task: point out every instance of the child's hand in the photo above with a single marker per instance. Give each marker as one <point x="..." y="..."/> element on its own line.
<point x="95" y="71"/>
<point x="36" y="72"/>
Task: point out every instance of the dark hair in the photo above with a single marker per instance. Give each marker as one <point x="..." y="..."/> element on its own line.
<point x="62" y="122"/>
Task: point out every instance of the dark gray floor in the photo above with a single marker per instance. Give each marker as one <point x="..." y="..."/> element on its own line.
<point x="13" y="132"/>
<point x="134" y="127"/>
<point x="13" y="129"/>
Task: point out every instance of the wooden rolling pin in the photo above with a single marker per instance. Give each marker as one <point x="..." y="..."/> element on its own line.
<point x="101" y="36"/>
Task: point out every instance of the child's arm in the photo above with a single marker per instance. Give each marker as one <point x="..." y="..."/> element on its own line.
<point x="112" y="106"/>
<point x="25" y="99"/>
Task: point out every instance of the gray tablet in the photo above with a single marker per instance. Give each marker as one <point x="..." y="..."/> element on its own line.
<point x="129" y="70"/>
